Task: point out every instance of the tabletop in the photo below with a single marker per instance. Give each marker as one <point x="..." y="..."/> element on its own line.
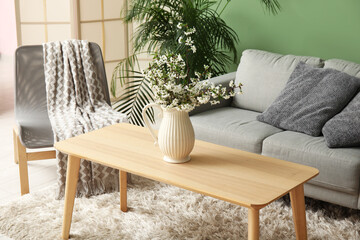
<point x="229" y="174"/>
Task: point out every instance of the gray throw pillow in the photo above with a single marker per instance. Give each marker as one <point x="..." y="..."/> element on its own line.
<point x="310" y="98"/>
<point x="343" y="130"/>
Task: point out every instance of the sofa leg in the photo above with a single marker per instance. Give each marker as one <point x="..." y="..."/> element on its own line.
<point x="21" y="158"/>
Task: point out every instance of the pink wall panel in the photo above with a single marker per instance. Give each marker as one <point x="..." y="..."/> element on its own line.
<point x="8" y="42"/>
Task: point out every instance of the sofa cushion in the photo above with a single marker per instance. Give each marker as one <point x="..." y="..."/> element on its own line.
<point x="343" y="130"/>
<point x="264" y="75"/>
<point x="339" y="168"/>
<point x="310" y="98"/>
<point x="232" y="127"/>
<point x="344" y="66"/>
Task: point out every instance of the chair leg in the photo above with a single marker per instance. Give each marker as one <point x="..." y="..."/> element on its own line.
<point x="21" y="158"/>
<point x="15" y="136"/>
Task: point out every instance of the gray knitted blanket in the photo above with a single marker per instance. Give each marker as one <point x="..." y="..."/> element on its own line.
<point x="76" y="105"/>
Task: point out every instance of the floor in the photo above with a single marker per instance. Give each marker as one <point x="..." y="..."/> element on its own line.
<point x="41" y="173"/>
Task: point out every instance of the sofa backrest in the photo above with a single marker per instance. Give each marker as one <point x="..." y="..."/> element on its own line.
<point x="264" y="75"/>
<point x="350" y="68"/>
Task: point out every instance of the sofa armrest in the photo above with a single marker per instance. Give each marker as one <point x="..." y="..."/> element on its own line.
<point x="224" y="81"/>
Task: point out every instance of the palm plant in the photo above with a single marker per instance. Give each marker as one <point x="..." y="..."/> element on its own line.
<point x="160" y="30"/>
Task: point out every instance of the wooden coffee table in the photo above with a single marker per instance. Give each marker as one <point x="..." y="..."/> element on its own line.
<point x="243" y="178"/>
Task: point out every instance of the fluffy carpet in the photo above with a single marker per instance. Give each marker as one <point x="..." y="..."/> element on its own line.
<point x="160" y="211"/>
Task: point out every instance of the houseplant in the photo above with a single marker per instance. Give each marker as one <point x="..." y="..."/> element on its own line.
<point x="178" y="92"/>
<point x="159" y="31"/>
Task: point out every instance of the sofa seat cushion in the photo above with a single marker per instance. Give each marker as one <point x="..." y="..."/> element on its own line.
<point x="232" y="127"/>
<point x="339" y="168"/>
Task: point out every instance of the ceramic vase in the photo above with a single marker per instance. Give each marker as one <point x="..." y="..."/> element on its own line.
<point x="175" y="137"/>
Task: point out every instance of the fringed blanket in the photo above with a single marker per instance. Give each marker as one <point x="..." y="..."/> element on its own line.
<point x="76" y="104"/>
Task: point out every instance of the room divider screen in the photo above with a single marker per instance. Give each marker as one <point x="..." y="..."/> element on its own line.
<point x="97" y="21"/>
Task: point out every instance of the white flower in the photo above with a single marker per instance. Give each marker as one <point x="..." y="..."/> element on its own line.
<point x="172" y="76"/>
<point x="226" y="97"/>
<point x="193" y="80"/>
<point x="163" y="58"/>
<point x="203" y="100"/>
<point x="175" y="101"/>
<point x="155" y="88"/>
<point x="179" y="26"/>
<point x="179" y="58"/>
<point x="165" y="95"/>
<point x="231" y="83"/>
<point x="213" y="102"/>
<point x="191" y="31"/>
<point x="193" y="48"/>
<point x="177" y="88"/>
<point x="174" y="89"/>
<point x="188" y="41"/>
<point x="168" y="86"/>
<point x="206" y="82"/>
<point x="180" y="39"/>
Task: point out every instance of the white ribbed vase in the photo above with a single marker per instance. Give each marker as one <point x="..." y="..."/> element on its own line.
<point x="176" y="135"/>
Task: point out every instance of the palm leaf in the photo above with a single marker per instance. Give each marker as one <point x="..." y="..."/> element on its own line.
<point x="121" y="73"/>
<point x="136" y="96"/>
<point x="272" y="5"/>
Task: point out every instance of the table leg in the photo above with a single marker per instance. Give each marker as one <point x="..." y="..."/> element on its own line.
<point x="253" y="224"/>
<point x="298" y="208"/>
<point x="123" y="190"/>
<point x="72" y="175"/>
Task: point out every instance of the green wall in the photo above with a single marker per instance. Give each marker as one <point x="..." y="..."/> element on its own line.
<point x="322" y="28"/>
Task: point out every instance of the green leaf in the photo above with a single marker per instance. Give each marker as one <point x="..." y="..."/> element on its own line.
<point x="136" y="96"/>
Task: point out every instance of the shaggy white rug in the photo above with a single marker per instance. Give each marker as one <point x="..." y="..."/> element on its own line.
<point x="160" y="211"/>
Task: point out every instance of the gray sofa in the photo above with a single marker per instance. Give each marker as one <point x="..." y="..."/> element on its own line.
<point x="233" y="123"/>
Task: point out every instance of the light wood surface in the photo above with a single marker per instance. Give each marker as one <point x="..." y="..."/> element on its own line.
<point x="123" y="191"/>
<point x="15" y="140"/>
<point x="298" y="209"/>
<point x="239" y="177"/>
<point x="75" y="19"/>
<point x="253" y="224"/>
<point x="72" y="175"/>
<point x="18" y="23"/>
<point x="34" y="156"/>
<point x="21" y="158"/>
